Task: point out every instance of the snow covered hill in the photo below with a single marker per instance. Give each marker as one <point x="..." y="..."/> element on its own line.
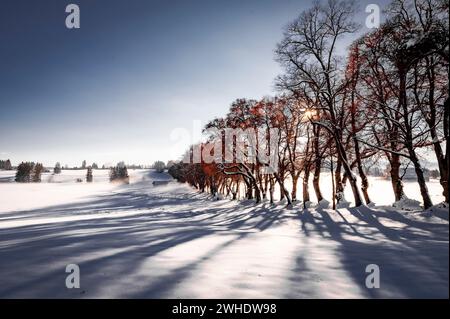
<point x="167" y="241"/>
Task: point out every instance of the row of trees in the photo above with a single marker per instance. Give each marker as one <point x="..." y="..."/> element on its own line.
<point x="386" y="102"/>
<point x="116" y="173"/>
<point x="58" y="168"/>
<point x="31" y="172"/>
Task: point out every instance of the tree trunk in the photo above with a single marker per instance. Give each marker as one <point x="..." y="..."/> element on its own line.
<point x="257" y="194"/>
<point x="262" y="190"/>
<point x="294" y="186"/>
<point x="316" y="179"/>
<point x="249" y="191"/>
<point x="397" y="184"/>
<point x="333" y="187"/>
<point x="281" y="192"/>
<point x="442" y="163"/>
<point x="317" y="163"/>
<point x="351" y="177"/>
<point x="409" y="139"/>
<point x="264" y="187"/>
<point x="338" y="181"/>
<point x="305" y="183"/>
<point x="271" y="190"/>
<point x="283" y="189"/>
<point x="364" y="184"/>
<point x="427" y="203"/>
<point x="431" y="120"/>
<point x="446" y="176"/>
<point x="362" y="174"/>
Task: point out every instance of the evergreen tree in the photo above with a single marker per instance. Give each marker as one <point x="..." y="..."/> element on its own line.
<point x="23" y="174"/>
<point x="57" y="169"/>
<point x="8" y="165"/>
<point x="112" y="174"/>
<point x="83" y="165"/>
<point x="119" y="173"/>
<point x="89" y="177"/>
<point x="36" y="173"/>
<point x="159" y="166"/>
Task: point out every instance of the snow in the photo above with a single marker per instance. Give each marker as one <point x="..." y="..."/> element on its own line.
<point x="323" y="204"/>
<point x="380" y="190"/>
<point x="142" y="241"/>
<point x="342" y="202"/>
<point x="407" y="204"/>
<point x="54" y="189"/>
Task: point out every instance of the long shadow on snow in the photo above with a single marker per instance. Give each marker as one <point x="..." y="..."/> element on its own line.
<point x="34" y="257"/>
<point x="412" y="256"/>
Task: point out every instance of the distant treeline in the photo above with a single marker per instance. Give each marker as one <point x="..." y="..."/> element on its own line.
<point x="30" y="172"/>
<point x="104" y="166"/>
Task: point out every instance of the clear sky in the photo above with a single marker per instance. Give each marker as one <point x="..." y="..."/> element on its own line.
<point x="136" y="70"/>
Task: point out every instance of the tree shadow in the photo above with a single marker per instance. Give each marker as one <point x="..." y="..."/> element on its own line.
<point x="134" y="224"/>
<point x="34" y="256"/>
<point x="412" y="255"/>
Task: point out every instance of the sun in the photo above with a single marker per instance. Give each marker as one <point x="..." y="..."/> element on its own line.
<point x="309" y="114"/>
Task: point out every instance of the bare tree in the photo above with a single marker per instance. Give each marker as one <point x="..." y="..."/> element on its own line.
<point x="308" y="53"/>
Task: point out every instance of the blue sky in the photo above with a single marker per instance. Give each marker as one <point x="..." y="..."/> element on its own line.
<point x="136" y="70"/>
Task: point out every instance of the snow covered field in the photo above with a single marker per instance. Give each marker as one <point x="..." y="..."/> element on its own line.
<point x="142" y="241"/>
